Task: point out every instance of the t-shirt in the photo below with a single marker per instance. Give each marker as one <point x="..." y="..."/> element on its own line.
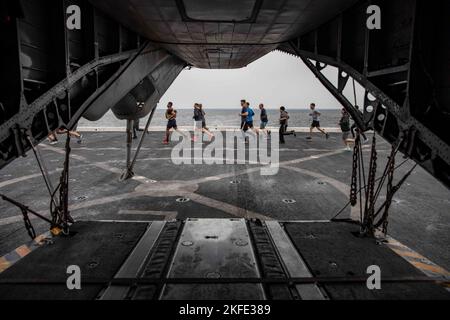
<point x="345" y="123"/>
<point x="264" y="117"/>
<point x="171" y="114"/>
<point x="284" y="117"/>
<point x="251" y="113"/>
<point x="315" y="115"/>
<point x="244" y="110"/>
<point x="199" y="115"/>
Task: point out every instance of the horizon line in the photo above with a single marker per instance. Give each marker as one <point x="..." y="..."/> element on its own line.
<point x="269" y="108"/>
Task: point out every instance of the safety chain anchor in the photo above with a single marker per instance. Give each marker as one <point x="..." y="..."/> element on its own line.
<point x="372" y="190"/>
<point x="61" y="218"/>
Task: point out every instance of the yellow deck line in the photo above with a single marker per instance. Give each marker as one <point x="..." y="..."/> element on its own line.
<point x="23" y="251"/>
<point x="425" y="265"/>
<point x="409" y="254"/>
<point x="4" y="264"/>
<point x="432" y="268"/>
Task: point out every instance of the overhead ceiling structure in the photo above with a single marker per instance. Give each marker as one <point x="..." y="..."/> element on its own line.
<point x="221" y="34"/>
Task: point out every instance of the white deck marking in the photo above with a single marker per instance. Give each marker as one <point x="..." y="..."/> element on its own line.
<point x="340" y="186"/>
<point x="168" y="188"/>
<point x="226" y="207"/>
<point x="20" y="179"/>
<point x="39" y="175"/>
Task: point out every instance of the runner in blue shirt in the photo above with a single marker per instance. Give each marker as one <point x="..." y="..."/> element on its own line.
<point x="250" y="115"/>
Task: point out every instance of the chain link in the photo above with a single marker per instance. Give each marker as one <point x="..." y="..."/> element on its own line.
<point x="390" y="191"/>
<point x="28" y="226"/>
<point x="61" y="218"/>
<point x="354" y="183"/>
<point x="368" y="225"/>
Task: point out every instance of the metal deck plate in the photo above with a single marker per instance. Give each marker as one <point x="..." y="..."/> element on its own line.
<point x="294" y="263"/>
<point x="135" y="262"/>
<point x="213" y="248"/>
<point x="335" y="250"/>
<point x="98" y="248"/>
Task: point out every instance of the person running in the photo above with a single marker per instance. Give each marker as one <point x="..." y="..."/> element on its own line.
<point x="249" y="120"/>
<point x="200" y="120"/>
<point x="72" y="134"/>
<point x="203" y="115"/>
<point x="284" y="123"/>
<point x="205" y="128"/>
<point x="136" y="128"/>
<point x="52" y="139"/>
<point x="355" y="129"/>
<point x="244" y="115"/>
<point x="315" y="116"/>
<point x="344" y="123"/>
<point x="136" y="123"/>
<point x="264" y="120"/>
<point x="171" y="116"/>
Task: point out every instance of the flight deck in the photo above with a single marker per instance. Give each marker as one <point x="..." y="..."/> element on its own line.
<point x="219" y="231"/>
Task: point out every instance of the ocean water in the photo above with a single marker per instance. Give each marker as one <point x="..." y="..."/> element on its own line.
<point x="216" y="118"/>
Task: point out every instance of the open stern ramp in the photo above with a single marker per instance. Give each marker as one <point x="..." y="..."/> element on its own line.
<point x="216" y="259"/>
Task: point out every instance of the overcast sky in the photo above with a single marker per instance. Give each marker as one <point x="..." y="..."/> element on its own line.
<point x="277" y="79"/>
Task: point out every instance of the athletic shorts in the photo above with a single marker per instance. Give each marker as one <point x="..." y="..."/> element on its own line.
<point x="264" y="125"/>
<point x="346" y="135"/>
<point x="315" y="124"/>
<point x="250" y="124"/>
<point x="172" y="124"/>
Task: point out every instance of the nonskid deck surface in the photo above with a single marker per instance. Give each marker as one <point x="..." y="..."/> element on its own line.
<point x="211" y="259"/>
<point x="99" y="249"/>
<point x="315" y="175"/>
